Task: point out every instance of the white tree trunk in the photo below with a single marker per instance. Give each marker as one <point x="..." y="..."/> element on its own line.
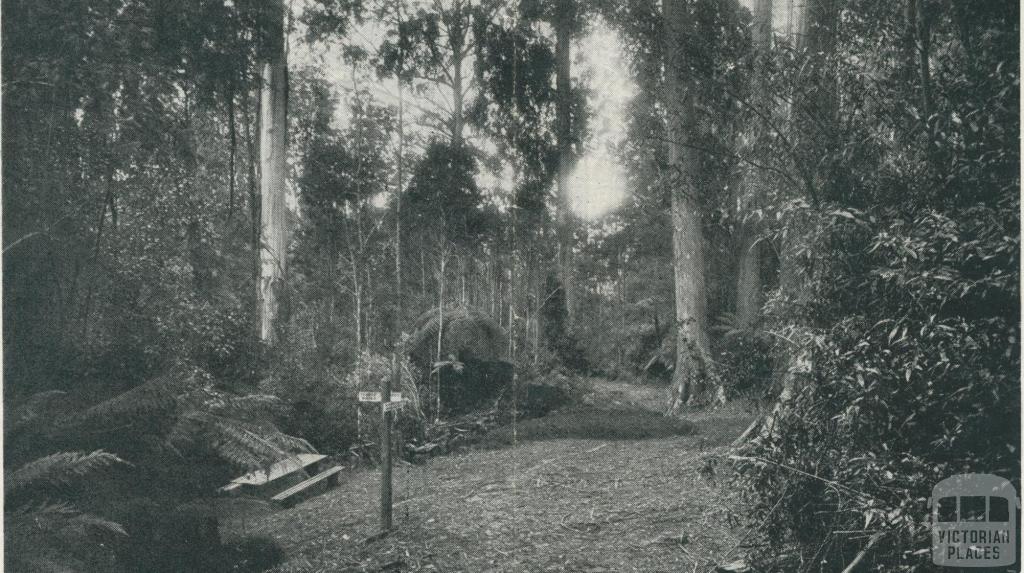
<point x="566" y="221"/>
<point x="274" y="243"/>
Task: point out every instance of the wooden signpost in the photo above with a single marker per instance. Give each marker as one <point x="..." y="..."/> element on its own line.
<point x="387" y="407"/>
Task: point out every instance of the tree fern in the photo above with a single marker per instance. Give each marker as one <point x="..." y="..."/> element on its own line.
<point x="243" y="443"/>
<point x="63" y="518"/>
<point x="33" y="409"/>
<point x="58" y="469"/>
<point x="52" y="537"/>
<point x="190" y="413"/>
<point x="157" y="397"/>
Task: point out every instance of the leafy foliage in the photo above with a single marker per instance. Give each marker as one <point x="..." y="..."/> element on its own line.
<point x="910" y="272"/>
<point x="443" y="194"/>
<point x="876" y="160"/>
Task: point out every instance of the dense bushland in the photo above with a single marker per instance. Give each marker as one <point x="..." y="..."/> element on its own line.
<point x="908" y="317"/>
<point x="845" y="172"/>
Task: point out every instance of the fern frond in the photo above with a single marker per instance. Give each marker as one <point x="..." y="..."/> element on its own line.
<point x="157" y="397"/>
<point x="88" y="520"/>
<point x="33" y="407"/>
<point x="244" y="444"/>
<point x="264" y="444"/>
<point x="59" y="469"/>
<point x="258" y="406"/>
<point x="185" y="431"/>
<point x="61" y="519"/>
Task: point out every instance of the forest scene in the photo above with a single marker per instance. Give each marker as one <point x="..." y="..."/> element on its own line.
<point x="658" y="285"/>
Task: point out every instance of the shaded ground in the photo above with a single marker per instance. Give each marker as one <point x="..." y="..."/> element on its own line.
<point x="543" y="504"/>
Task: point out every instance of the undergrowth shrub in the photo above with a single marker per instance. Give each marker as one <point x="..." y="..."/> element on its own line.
<point x="921" y="382"/>
<point x="542" y="394"/>
<point x="744" y="358"/>
<point x="899" y="291"/>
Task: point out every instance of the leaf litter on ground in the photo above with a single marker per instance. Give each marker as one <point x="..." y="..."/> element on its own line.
<point x="629" y="501"/>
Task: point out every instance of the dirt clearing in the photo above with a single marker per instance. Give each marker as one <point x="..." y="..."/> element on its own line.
<point x="542" y="503"/>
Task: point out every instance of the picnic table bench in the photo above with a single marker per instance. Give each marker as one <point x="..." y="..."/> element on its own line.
<point x="264" y="479"/>
<point x="290" y="496"/>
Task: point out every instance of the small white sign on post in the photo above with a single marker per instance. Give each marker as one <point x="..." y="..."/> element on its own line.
<point x="390" y="406"/>
<point x="375" y="397"/>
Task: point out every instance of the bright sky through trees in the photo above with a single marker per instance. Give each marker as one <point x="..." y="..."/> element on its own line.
<point x="598" y="183"/>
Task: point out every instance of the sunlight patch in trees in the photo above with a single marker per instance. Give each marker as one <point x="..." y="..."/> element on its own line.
<point x="597" y="186"/>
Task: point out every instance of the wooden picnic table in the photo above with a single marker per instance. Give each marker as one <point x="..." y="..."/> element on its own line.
<point x="258" y="478"/>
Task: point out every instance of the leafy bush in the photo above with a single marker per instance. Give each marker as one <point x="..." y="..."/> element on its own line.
<point x="899" y="290"/>
<point x="745" y="358"/>
<point x="538" y="398"/>
<point x="369" y="375"/>
<point x="920" y="383"/>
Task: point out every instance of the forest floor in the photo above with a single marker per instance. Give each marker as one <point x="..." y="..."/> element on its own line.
<point x="544" y="503"/>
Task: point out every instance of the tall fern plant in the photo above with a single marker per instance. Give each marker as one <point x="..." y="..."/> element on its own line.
<point x="47" y="534"/>
<point x="181" y="413"/>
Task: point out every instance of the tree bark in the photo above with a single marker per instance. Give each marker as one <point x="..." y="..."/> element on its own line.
<point x="691" y="369"/>
<point x="749" y="289"/>
<point x="457" y="43"/>
<point x="233" y="143"/>
<point x="357" y="293"/>
<point x="398" y="203"/>
<point x="458" y="122"/>
<point x="761" y="35"/>
<point x="563" y="110"/>
<point x="273" y="134"/>
<point x="253" y="184"/>
<point x="440" y="329"/>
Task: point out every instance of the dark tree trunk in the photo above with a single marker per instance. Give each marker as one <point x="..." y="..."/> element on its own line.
<point x="691" y="368"/>
<point x="749" y="289"/>
<point x="563" y="84"/>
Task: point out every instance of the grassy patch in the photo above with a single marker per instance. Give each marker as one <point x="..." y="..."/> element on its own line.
<point x="594" y="424"/>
